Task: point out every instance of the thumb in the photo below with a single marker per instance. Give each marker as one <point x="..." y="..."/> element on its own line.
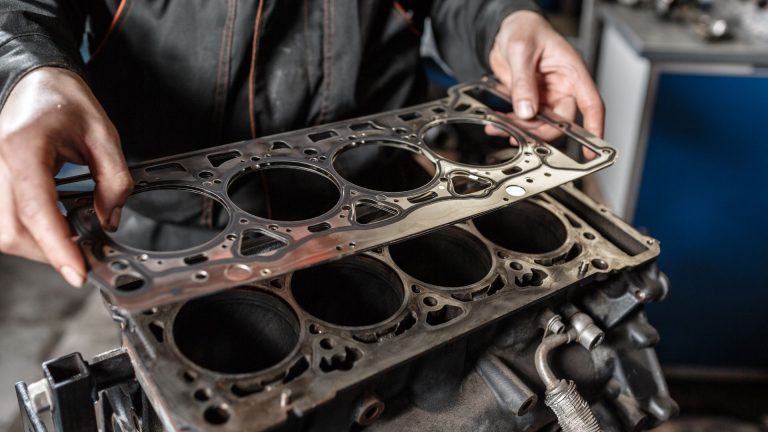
<point x="523" y="84"/>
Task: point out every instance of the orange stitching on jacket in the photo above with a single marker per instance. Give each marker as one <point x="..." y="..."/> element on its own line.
<point x="112" y="27"/>
<point x="399" y="8"/>
<point x="252" y="73"/>
<point x="222" y="73"/>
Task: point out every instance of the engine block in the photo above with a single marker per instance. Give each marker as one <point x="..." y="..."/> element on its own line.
<point x="265" y="354"/>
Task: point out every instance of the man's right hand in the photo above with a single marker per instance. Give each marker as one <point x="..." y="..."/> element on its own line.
<point x="52" y="117"/>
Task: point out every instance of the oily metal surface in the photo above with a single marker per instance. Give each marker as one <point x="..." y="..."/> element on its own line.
<point x="259" y="243"/>
<point x="194" y="389"/>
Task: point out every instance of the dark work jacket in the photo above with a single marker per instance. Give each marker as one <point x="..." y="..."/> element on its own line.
<point x="176" y="76"/>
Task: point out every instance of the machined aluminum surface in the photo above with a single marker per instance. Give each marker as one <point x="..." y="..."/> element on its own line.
<point x="272" y="351"/>
<point x="260" y="243"/>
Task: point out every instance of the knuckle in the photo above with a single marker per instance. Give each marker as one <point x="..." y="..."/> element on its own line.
<point x="518" y="45"/>
<point x="13" y="140"/>
<point x="522" y="84"/>
<point x="29" y="209"/>
<point x="124" y="181"/>
<point x="105" y="133"/>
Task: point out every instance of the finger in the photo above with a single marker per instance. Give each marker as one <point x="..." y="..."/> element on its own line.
<point x="35" y="200"/>
<point x="589" y="102"/>
<point x="547" y="132"/>
<point x="566" y="108"/>
<point x="494" y="131"/>
<point x="523" y="83"/>
<point x="110" y="172"/>
<point x="14" y="238"/>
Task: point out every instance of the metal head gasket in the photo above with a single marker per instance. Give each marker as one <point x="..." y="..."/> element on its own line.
<point x="296" y="199"/>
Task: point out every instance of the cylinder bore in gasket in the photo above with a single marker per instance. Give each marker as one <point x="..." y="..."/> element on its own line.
<point x="383" y="165"/>
<point x="284" y="192"/>
<point x="471" y="142"/>
<point x="450" y="257"/>
<point x="356" y="291"/>
<point x="523" y="227"/>
<point x="163" y="220"/>
<point x="236" y="331"/>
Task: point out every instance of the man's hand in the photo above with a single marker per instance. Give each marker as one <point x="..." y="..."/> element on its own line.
<point x="51" y="117"/>
<point x="540" y="68"/>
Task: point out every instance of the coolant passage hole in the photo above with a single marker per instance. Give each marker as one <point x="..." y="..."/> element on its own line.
<point x="450" y="257"/>
<point x="284" y="193"/>
<point x="163" y="220"/>
<point x="523" y="227"/>
<point x="469" y="143"/>
<point x="383" y="166"/>
<point x="355" y="291"/>
<point x="236" y="331"/>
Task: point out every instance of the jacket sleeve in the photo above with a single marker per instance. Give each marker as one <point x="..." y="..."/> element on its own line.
<point x="37" y="33"/>
<point x="465" y="29"/>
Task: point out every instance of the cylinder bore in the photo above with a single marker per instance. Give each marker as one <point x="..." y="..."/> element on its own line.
<point x="450" y="257"/>
<point x="471" y="142"/>
<point x="384" y="166"/>
<point x="163" y="220"/>
<point x="355" y="291"/>
<point x="284" y="193"/>
<point x="523" y="227"/>
<point x="236" y="331"/>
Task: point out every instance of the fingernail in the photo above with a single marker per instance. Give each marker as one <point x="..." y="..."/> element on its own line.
<point x="114" y="218"/>
<point x="524" y="109"/>
<point x="72" y="277"/>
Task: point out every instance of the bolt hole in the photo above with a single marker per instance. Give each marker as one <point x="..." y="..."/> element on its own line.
<point x="216" y="415"/>
<point x="202" y="395"/>
<point x="326" y="343"/>
<point x="599" y="264"/>
<point x="119" y="265"/>
<point x="430" y="301"/>
<point x="371" y="413"/>
<point x="188" y="376"/>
